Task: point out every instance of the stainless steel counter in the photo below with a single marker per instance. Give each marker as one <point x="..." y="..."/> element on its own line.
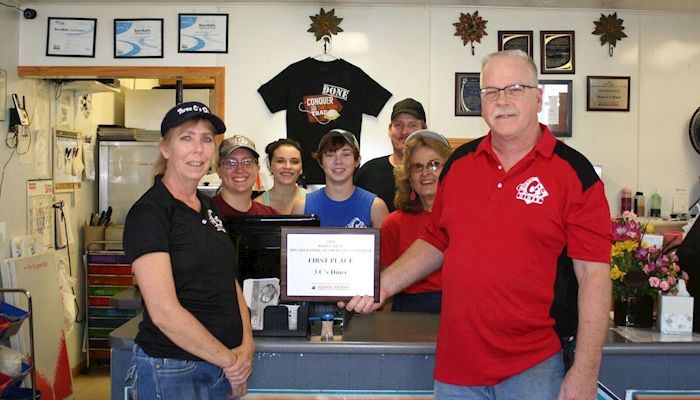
<point x="395" y="351"/>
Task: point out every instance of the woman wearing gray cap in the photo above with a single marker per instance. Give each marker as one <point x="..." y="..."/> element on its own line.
<point x="416" y="186"/>
<point x="238" y="169"/>
<point x="340" y="203"/>
<point x="195" y="341"/>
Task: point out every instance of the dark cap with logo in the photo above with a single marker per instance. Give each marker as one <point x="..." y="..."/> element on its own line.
<point x="347" y="136"/>
<point x="187" y="111"/>
<point x="409" y="106"/>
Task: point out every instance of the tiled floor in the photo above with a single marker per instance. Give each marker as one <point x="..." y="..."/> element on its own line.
<point x="92" y="386"/>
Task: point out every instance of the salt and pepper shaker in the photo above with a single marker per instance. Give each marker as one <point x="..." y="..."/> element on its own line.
<point x="625" y="199"/>
<point x="638" y="206"/>
<point x="655" y="206"/>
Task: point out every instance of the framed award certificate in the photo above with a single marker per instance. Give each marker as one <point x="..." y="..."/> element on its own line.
<point x="557" y="52"/>
<point x="203" y="33"/>
<point x="329" y="264"/>
<point x="138" y="38"/>
<point x="71" y="37"/>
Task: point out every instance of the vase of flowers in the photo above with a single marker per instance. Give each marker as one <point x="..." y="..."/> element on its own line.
<point x="639" y="272"/>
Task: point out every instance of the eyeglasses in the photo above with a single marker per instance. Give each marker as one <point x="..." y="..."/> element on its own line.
<point x="246" y="163"/>
<point x="511" y="92"/>
<point x="432" y="165"/>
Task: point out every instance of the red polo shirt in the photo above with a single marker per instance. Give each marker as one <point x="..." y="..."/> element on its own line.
<point x="399" y="230"/>
<point x="501" y="234"/>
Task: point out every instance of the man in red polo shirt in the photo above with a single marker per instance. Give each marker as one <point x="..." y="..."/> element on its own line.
<point x="513" y="209"/>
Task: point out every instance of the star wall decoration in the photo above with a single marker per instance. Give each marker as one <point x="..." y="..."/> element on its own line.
<point x="325" y="24"/>
<point x="610" y="30"/>
<point x="471" y="28"/>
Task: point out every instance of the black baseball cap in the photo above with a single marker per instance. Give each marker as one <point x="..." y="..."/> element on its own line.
<point x="347" y="136"/>
<point x="185" y="112"/>
<point x="409" y="106"/>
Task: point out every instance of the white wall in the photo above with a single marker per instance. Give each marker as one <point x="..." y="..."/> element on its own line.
<point x="412" y="52"/>
<point x="80" y="203"/>
<point x="12" y="209"/>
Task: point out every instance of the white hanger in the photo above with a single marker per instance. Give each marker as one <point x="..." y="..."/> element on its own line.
<point x="326" y="56"/>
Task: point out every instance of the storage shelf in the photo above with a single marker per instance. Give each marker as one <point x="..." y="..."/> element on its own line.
<point x="107" y="274"/>
<point x="7" y="383"/>
<point x="11" y="320"/>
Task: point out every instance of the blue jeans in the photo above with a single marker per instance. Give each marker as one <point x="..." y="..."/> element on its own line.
<point x="540" y="382"/>
<point x="170" y="378"/>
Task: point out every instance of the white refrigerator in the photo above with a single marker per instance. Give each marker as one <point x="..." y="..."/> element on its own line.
<point x="126" y="172"/>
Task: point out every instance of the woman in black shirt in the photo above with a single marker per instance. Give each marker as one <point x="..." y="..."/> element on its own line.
<point x="195" y="340"/>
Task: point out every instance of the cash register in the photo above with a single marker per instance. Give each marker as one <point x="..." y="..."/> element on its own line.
<point x="257" y="239"/>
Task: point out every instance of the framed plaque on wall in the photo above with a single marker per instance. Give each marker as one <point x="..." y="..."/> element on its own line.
<point x="557" y="52"/>
<point x="607" y="93"/>
<point x="467" y="94"/>
<point x="515" y="40"/>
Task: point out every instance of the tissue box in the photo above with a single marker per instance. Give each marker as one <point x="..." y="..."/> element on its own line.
<point x="675" y="314"/>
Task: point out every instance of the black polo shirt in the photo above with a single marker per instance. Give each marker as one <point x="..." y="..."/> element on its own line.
<point x="203" y="265"/>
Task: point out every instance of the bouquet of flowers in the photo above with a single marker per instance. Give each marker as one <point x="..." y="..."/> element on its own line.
<point x="638" y="269"/>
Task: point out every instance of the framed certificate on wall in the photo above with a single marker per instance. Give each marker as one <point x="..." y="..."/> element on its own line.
<point x="202" y="33"/>
<point x="138" y="38"/>
<point x="71" y="37"/>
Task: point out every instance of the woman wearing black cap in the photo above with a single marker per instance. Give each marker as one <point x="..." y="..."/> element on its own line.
<point x="195" y="340"/>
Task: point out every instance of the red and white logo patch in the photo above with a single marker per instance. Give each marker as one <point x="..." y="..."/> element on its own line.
<point x="531" y="191"/>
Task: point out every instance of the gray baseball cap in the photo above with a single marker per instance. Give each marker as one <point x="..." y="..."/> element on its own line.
<point x="348" y="136"/>
<point x="424" y="133"/>
<point x="236" y="142"/>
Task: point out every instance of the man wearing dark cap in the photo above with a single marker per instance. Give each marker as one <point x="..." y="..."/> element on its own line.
<point x="377" y="175"/>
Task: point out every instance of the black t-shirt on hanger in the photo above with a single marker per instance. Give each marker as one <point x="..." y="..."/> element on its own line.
<point x="320" y="96"/>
